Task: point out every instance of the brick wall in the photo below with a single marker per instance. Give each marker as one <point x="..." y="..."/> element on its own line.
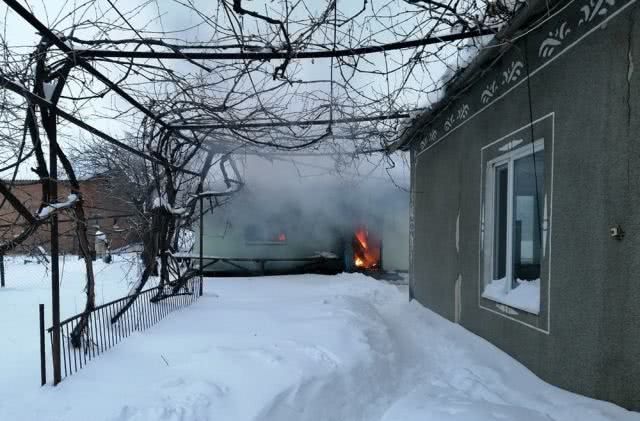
<point x="103" y="212"/>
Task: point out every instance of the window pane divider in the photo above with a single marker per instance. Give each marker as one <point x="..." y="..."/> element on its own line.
<point x="509" y="222"/>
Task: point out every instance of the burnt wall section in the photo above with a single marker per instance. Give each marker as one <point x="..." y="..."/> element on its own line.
<point x="585" y="79"/>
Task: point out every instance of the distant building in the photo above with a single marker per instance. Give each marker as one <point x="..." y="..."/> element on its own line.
<point x="283" y="223"/>
<point x="526" y="196"/>
<point x="105" y="214"/>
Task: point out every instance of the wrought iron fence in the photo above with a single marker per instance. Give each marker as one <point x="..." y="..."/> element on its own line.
<point x="100" y="334"/>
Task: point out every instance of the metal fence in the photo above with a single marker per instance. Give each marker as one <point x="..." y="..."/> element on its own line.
<point x="100" y="334"/>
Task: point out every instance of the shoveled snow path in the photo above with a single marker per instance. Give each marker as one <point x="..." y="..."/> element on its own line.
<point x="303" y="348"/>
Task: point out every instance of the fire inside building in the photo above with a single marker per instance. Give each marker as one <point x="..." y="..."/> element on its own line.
<point x="367" y="249"/>
<point x="255" y="234"/>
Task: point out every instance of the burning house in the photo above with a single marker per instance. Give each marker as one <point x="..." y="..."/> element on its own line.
<point x="313" y="225"/>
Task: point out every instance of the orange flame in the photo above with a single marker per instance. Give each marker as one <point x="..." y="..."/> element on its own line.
<point x="366" y="249"/>
<point x="361" y="236"/>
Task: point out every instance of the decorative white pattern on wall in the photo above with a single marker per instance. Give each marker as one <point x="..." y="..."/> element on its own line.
<point x="554" y="40"/>
<point x="449" y="123"/>
<point x="512" y="73"/>
<point x="595" y="8"/>
<point x="463" y="112"/>
<point x="563" y="35"/>
<point x="489" y="92"/>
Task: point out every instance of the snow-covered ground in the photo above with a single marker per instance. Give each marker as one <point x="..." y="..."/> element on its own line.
<point x="310" y="347"/>
<point x="29" y="284"/>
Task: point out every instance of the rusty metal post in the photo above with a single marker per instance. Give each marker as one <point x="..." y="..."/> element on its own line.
<point x="43" y="362"/>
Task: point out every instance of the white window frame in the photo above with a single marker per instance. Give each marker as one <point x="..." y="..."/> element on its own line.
<point x="489" y="216"/>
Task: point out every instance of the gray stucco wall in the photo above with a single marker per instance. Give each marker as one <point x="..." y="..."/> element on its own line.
<point x="436" y="265"/>
<point x="590" y="342"/>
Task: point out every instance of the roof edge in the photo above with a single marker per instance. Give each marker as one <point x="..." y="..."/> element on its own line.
<point x="465" y="76"/>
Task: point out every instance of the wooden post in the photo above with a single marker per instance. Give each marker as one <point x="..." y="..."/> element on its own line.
<point x="43" y="363"/>
<point x="201" y="228"/>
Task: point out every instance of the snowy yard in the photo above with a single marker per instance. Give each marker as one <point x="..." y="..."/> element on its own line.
<point x="311" y="347"/>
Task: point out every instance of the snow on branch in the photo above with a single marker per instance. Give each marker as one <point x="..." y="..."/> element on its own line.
<point x="162" y="202"/>
<point x="49" y="209"/>
<point x="234" y="187"/>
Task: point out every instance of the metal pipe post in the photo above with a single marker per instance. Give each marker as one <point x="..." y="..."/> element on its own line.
<point x="201" y="228"/>
<point x="55" y="268"/>
<point x="43" y="362"/>
<point x="1" y="270"/>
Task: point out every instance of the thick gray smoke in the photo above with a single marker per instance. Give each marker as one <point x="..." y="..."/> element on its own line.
<point x="311" y="189"/>
<point x="315" y="206"/>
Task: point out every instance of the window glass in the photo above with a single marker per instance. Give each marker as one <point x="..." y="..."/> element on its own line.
<point x="528" y="191"/>
<point x="515" y="206"/>
<point x="500" y="221"/>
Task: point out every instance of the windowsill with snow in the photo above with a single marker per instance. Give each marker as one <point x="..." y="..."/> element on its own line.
<point x="525" y="297"/>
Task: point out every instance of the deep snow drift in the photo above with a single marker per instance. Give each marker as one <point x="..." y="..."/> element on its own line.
<point x="311" y="347"/>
